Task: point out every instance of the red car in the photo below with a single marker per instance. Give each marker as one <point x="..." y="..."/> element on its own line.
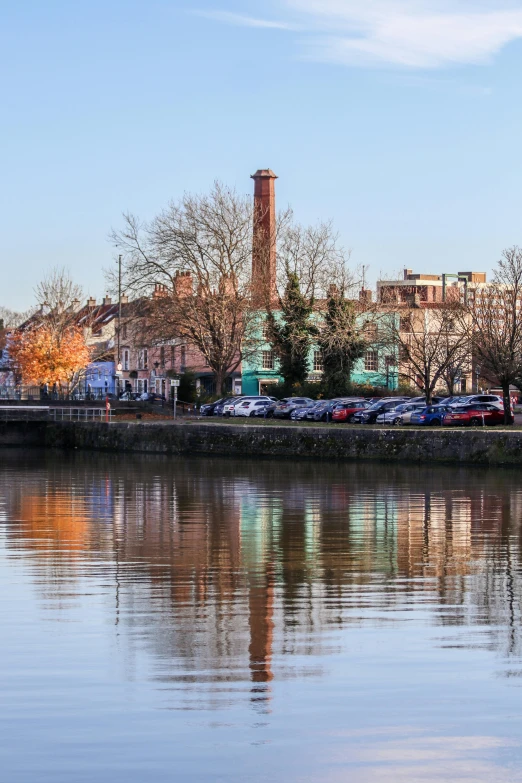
<point x="344" y="411"/>
<point x="477" y="415"/>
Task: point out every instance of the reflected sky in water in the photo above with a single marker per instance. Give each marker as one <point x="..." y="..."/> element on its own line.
<point x="222" y="620"/>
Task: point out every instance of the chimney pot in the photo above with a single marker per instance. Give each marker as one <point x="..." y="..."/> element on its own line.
<point x="107" y="300"/>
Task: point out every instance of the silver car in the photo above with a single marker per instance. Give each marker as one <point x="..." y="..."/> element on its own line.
<point x="401" y="414"/>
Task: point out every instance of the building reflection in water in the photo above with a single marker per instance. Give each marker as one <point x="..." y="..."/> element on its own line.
<point x="225" y="569"/>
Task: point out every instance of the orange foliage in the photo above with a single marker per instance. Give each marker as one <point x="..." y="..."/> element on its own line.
<point x="42" y="355"/>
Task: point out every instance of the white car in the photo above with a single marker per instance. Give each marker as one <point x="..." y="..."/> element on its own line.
<point x="250" y="407"/>
<point x="401" y="414"/>
<point x="230" y="408"/>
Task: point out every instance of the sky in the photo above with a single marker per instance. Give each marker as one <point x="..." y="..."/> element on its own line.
<point x="399" y="120"/>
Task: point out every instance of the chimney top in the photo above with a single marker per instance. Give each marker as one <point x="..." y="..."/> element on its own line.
<point x="91" y="302"/>
<point x="124" y="299"/>
<point x="407" y="273"/>
<point x="107" y="300"/>
<point x="264" y="174"/>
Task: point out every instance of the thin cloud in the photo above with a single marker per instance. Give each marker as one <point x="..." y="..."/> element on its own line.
<point x="241" y="20"/>
<point x="421" y="34"/>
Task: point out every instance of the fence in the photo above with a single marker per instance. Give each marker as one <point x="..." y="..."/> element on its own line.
<point x="44" y="413"/>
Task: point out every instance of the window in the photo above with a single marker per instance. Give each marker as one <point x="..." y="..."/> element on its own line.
<point x="265" y="331"/>
<point x="318" y="361"/>
<point x="124" y="331"/>
<point x="390" y="362"/>
<point x="370" y="331"/>
<point x="125" y="359"/>
<point x="143" y="359"/>
<point x="183" y="354"/>
<point x="172" y="356"/>
<point x="268" y="360"/>
<point x="371" y="361"/>
<point x="405" y="325"/>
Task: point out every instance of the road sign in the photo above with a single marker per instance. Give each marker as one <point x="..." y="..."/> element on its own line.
<point x="175" y="382"/>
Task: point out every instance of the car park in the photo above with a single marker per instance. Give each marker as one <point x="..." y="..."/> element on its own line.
<point x="369" y="415"/>
<point x="431" y="415"/>
<point x="401" y="414"/>
<point x="283" y="410"/>
<point x="346" y="411"/>
<point x="474" y="415"/>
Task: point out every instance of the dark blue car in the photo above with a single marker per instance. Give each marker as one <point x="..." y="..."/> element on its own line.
<point x="432" y="415"/>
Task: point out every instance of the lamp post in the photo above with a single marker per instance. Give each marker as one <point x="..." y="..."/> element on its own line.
<point x="477" y="374"/>
<point x="118" y="362"/>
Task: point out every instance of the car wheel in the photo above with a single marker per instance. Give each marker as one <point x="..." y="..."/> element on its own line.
<point x="350" y="419"/>
<point x="435" y="423"/>
<point x="474" y="422"/>
<point x="252" y="414"/>
<point x="397" y="420"/>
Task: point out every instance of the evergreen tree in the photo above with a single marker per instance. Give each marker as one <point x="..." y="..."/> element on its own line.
<point x="340" y="345"/>
<point x="291" y="335"/>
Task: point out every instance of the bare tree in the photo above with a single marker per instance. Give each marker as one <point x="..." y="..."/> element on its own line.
<point x="11" y="319"/>
<point x="429" y="341"/>
<point x="497" y="325"/>
<point x="194" y="261"/>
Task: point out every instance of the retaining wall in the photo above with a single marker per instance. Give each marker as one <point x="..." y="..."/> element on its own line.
<point x="474" y="446"/>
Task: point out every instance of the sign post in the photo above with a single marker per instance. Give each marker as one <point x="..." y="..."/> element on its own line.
<point x="174" y="385"/>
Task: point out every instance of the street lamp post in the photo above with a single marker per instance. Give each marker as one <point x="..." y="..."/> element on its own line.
<point x="118" y="362"/>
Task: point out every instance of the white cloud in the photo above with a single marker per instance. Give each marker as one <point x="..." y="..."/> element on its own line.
<point x="409" y="33"/>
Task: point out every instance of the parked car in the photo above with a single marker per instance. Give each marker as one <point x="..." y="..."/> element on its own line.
<point x="284" y="408"/>
<point x="401" y="414"/>
<point x="263" y="408"/>
<point x="129" y="396"/>
<point x="218" y="407"/>
<point x="369" y="415"/>
<point x="152" y="397"/>
<point x="229" y="408"/>
<point x="250" y="407"/>
<point x="434" y="400"/>
<point x="208" y="408"/>
<point x="431" y="415"/>
<point x="346" y="411"/>
<point x="492" y="399"/>
<point x="475" y="415"/>
<point x="300" y="413"/>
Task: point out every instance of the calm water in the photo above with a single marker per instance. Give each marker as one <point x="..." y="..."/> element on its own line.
<point x="208" y="620"/>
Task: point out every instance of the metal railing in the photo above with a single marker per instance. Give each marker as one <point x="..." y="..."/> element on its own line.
<point x="80" y="414"/>
<point x="45" y="413"/>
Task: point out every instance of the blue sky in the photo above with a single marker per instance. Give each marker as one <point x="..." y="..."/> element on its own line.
<point x="398" y="119"/>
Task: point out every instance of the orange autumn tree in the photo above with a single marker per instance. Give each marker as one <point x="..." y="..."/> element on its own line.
<point x="50" y="347"/>
<point x="40" y="355"/>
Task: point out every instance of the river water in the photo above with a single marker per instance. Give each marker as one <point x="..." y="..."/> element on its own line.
<point x="220" y="620"/>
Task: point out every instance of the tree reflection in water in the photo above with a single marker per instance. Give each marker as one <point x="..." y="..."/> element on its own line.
<point x="235" y="571"/>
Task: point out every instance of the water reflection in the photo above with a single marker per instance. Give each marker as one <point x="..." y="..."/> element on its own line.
<point x="234" y="577"/>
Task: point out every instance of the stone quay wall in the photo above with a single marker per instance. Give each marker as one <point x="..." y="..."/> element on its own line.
<point x="473" y="446"/>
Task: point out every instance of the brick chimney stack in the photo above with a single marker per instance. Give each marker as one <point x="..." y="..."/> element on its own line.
<point x="183" y="285"/>
<point x="264" y="242"/>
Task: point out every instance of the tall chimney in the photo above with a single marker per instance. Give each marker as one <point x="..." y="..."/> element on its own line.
<point x="264" y="242"/>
